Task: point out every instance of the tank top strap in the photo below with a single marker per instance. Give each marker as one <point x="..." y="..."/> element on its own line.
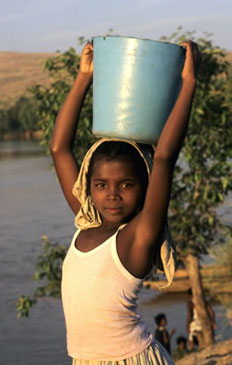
<point x="121" y="227"/>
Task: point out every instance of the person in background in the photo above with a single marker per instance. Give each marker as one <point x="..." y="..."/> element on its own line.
<point x="194" y="327"/>
<point x="181" y="349"/>
<point x="161" y="333"/>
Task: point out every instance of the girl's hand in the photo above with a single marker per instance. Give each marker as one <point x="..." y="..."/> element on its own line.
<point x="86" y="63"/>
<point x="192" y="61"/>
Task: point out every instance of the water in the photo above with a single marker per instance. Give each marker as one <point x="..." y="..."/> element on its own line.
<point x="32" y="205"/>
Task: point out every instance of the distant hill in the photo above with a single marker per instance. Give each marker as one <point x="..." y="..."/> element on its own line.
<point x="18" y="71"/>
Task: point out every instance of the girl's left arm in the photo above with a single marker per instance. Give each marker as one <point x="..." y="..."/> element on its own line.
<point x="148" y="226"/>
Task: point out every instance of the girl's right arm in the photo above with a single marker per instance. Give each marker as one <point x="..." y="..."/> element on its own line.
<point x="65" y="128"/>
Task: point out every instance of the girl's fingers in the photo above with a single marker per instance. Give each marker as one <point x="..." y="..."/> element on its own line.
<point x="190" y="46"/>
<point x="89" y="45"/>
<point x="192" y="50"/>
<point x="86" y="62"/>
<point x="88" y="48"/>
<point x="192" y="58"/>
<point x="186" y="43"/>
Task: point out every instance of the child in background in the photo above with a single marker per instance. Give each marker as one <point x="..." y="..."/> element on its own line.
<point x="181" y="349"/>
<point x="161" y="333"/>
<point x="120" y="214"/>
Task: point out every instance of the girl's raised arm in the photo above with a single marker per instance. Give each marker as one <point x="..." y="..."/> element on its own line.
<point x="147" y="228"/>
<point x="168" y="148"/>
<point x="66" y="125"/>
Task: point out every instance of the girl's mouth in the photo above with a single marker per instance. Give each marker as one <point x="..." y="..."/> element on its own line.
<point x="113" y="210"/>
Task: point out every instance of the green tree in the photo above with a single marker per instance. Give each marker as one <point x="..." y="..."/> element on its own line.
<point x="26" y="112"/>
<point x="11" y="120"/>
<point x="3" y="122"/>
<point x="48" y="274"/>
<point x="63" y="69"/>
<point x="203" y="173"/>
<point x="19" y="117"/>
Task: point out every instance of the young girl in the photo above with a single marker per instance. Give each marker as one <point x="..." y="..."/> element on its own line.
<point x="120" y="215"/>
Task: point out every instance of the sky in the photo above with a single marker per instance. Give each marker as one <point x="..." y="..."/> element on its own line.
<point x="50" y="25"/>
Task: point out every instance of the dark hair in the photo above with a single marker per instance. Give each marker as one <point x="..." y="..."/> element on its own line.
<point x="181" y="339"/>
<point x="159" y="318"/>
<point x="189" y="291"/>
<point x="117" y="150"/>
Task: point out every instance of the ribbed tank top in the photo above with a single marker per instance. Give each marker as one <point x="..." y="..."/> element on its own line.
<point x="99" y="300"/>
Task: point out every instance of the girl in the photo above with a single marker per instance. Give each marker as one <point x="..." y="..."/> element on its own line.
<point x="121" y="220"/>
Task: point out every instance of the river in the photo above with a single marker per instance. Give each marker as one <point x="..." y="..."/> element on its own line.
<point x="32" y="205"/>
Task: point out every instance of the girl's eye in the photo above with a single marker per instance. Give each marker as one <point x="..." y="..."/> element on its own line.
<point x="126" y="185"/>
<point x="100" y="185"/>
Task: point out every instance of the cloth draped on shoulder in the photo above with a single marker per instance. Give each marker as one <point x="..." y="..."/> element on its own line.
<point x="89" y="217"/>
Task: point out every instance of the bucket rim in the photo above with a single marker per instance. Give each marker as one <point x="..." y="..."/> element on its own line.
<point x="137" y="38"/>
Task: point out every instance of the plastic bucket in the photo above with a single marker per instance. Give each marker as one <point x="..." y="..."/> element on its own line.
<point x="135" y="85"/>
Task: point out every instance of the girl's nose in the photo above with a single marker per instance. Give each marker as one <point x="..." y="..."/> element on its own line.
<point x="113" y="193"/>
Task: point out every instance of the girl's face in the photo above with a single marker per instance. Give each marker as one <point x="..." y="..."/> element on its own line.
<point x="115" y="189"/>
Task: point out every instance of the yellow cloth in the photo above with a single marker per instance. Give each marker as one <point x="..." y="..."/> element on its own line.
<point x="89" y="217"/>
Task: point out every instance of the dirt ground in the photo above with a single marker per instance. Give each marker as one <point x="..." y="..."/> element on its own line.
<point x="217" y="354"/>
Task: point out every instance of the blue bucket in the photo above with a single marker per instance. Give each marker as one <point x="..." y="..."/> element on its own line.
<point x="135" y="85"/>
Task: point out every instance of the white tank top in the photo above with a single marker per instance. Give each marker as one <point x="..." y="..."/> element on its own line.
<point x="100" y="299"/>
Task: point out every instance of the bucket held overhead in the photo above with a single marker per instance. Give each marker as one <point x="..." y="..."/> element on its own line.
<point x="135" y="85"/>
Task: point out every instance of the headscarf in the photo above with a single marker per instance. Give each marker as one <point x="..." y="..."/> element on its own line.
<point x="89" y="217"/>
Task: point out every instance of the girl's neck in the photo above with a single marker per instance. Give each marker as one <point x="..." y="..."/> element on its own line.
<point x="109" y="226"/>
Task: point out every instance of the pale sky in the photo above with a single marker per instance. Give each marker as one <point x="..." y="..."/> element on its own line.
<point x="49" y="25"/>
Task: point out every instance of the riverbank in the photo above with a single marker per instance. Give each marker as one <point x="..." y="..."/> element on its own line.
<point x="217" y="354"/>
<point x="216" y="280"/>
<point x="19" y="136"/>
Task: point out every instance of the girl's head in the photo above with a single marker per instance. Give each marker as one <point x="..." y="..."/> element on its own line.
<point x="117" y="180"/>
